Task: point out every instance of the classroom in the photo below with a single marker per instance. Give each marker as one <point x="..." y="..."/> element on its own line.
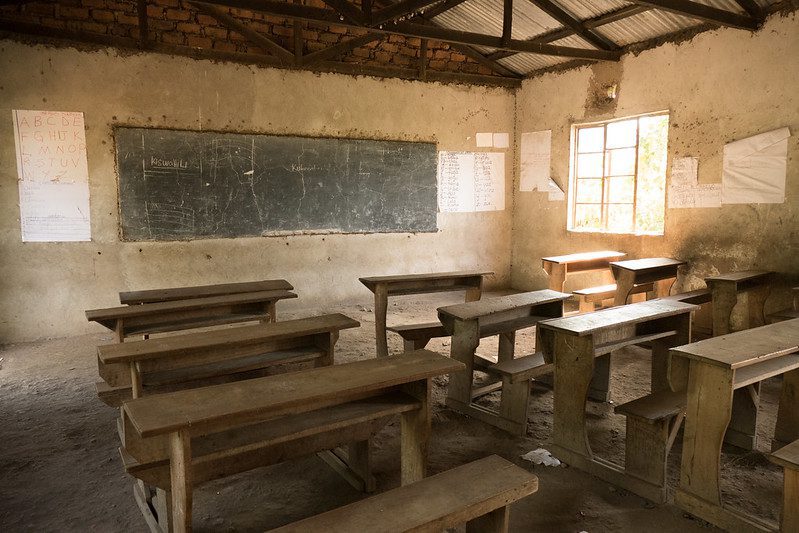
<point x="399" y="265"/>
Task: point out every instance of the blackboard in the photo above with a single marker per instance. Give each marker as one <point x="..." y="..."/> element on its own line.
<point x="176" y="185"/>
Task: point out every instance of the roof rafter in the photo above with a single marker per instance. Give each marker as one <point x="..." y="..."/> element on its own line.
<point x="554" y="10"/>
<point x="398" y="10"/>
<point x="703" y="12"/>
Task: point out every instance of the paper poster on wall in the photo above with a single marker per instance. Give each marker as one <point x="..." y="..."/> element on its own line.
<point x="484" y="140"/>
<point x="501" y="140"/>
<point x="534" y="154"/>
<point x="471" y="181"/>
<point x="684" y="189"/>
<point x="754" y="169"/>
<point x="53" y="176"/>
<point x="555" y="194"/>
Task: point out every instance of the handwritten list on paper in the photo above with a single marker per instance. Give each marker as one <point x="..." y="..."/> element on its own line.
<point x="684" y="189"/>
<point x="471" y="181"/>
<point x="535" y="152"/>
<point x="53" y="176"/>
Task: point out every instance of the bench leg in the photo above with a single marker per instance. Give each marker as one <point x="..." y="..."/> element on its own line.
<point x="494" y="522"/>
<point x="359" y="458"/>
<point x="417" y="344"/>
<point x="381" y="306"/>
<point x="599" y="389"/>
<point x="181" y="482"/>
<point x="742" y="431"/>
<point x="513" y="402"/>
<point x="787" y="427"/>
<point x="415" y="433"/>
<point x="585" y="305"/>
<point x="789" y="520"/>
<point x="163" y="508"/>
<point x="647" y="446"/>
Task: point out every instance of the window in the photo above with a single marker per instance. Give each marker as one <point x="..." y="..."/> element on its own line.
<point x="618" y="175"/>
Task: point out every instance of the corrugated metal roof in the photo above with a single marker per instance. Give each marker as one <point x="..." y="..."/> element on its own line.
<point x="529" y="21"/>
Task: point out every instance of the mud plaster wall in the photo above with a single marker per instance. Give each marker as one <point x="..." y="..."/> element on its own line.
<point x="45" y="288"/>
<point x="721" y="86"/>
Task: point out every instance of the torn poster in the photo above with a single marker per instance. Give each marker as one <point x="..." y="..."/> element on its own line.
<point x="471" y="181"/>
<point x="684" y="189"/>
<point x="534" y="155"/>
<point x="556" y="194"/>
<point x="53" y="176"/>
<point x="754" y="169"/>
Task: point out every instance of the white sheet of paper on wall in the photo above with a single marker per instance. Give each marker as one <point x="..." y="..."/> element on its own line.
<point x="534" y="158"/>
<point x="53" y="176"/>
<point x="471" y="181"/>
<point x="555" y="194"/>
<point x="501" y="140"/>
<point x="484" y="140"/>
<point x="754" y="169"/>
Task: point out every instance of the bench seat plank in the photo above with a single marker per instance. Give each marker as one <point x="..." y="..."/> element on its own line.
<point x="656" y="406"/>
<point x="523" y="368"/>
<point x="230" y="404"/>
<point x="696" y="297"/>
<point x="201" y="291"/>
<point x="787" y="456"/>
<point x="432" y="504"/>
<point x="425" y="330"/>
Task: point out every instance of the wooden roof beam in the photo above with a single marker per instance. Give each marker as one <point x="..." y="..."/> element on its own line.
<point x="446" y="5"/>
<point x="332" y="52"/>
<point x="399" y="10"/>
<point x="554" y="10"/>
<point x="703" y="12"/>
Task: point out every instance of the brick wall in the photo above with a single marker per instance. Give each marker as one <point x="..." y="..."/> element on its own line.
<point x="173" y="22"/>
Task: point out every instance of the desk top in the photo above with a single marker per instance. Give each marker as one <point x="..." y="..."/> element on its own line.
<point x="787" y="456"/>
<point x="254" y="400"/>
<point x="126" y="352"/>
<point x="584" y="257"/>
<point x="745" y="275"/>
<point x="200" y="291"/>
<point x="371" y="281"/>
<point x="651" y="263"/>
<point x="746" y="347"/>
<point x="588" y="323"/>
<point x="499" y="304"/>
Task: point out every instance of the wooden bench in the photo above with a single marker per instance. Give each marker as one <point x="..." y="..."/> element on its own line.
<point x="661" y="272"/>
<point x="653" y="422"/>
<point x="478" y="493"/>
<point x="415" y="334"/>
<point x="580" y="347"/>
<point x="503" y="316"/>
<point x="558" y="268"/>
<point x="710" y="371"/>
<point x="787" y="314"/>
<point x="727" y="289"/>
<point x="130" y="369"/>
<point x="202" y="291"/>
<point x="587" y="298"/>
<point x="177" y="440"/>
<point x="177" y="315"/>
<point x="788" y="458"/>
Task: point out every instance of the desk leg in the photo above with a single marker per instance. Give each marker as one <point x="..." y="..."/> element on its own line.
<point x="660" y="352"/>
<point x="742" y="430"/>
<point x="180" y="472"/>
<point x="756" y="303"/>
<point x="724" y="299"/>
<point x="663" y="287"/>
<point x="465" y="339"/>
<point x="135" y="379"/>
<point x="599" y="390"/>
<point x="787" y="428"/>
<point x="557" y="277"/>
<point x="494" y="522"/>
<point x="381" y="306"/>
<point x="415" y="428"/>
<point x="473" y="294"/>
<point x="707" y="415"/>
<point x="574" y="366"/>
<point x="271" y="311"/>
<point x="624" y="284"/>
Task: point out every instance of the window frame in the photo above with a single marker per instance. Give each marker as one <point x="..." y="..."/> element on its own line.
<point x="573" y="156"/>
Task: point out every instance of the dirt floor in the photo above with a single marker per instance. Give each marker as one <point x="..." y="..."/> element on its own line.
<point x="60" y="470"/>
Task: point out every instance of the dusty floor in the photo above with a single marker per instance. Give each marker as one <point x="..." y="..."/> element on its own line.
<point x="59" y="468"/>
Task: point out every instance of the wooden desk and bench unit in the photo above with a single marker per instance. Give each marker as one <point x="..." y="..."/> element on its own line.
<point x="416" y="336"/>
<point x="709" y="371"/>
<point x="726" y="290"/>
<point x="127" y="368"/>
<point x="177" y="315"/>
<point x="177" y="440"/>
<point x="580" y="347"/>
<point x="660" y="272"/>
<point x="478" y="493"/>
<point x="503" y="316"/>
<point x="562" y="266"/>
<point x="790" y="313"/>
<point x="788" y="458"/>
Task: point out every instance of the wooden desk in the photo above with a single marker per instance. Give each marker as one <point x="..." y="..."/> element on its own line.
<point x="559" y="267"/>
<point x="580" y="347"/>
<point x="203" y="291"/>
<point x="385" y="286"/>
<point x="660" y="271"/>
<point x="710" y="371"/>
<point x="170" y="360"/>
<point x="503" y="316"/>
<point x="193" y="313"/>
<point x="164" y="427"/>
<point x="725" y="290"/>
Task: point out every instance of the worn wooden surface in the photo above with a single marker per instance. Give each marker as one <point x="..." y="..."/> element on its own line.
<point x="201" y="291"/>
<point x="486" y="309"/>
<point x="660" y="271"/>
<point x="750" y="286"/>
<point x="431" y="505"/>
<point x="559" y="267"/>
<point x="398" y="285"/>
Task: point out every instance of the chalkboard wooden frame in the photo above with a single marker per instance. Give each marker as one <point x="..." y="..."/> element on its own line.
<point x="186" y="184"/>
